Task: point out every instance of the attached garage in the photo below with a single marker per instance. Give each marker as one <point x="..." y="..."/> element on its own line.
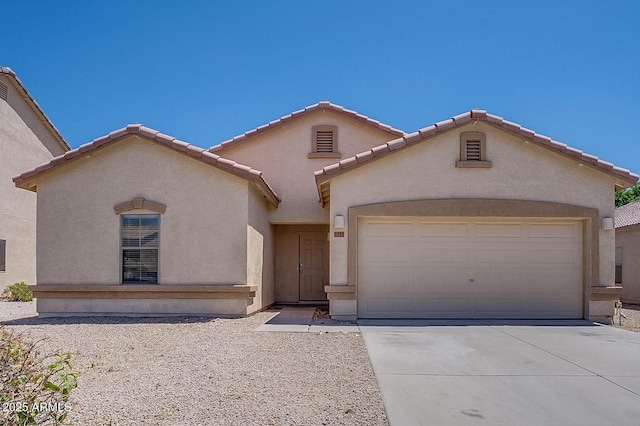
<point x="426" y="267"/>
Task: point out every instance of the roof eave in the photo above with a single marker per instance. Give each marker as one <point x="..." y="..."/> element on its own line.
<point x="28" y="180"/>
<point x="35" y="107"/>
<point x="622" y="176"/>
<point x="322" y="105"/>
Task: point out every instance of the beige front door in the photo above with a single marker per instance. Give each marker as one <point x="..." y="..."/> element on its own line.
<point x="313" y="265"/>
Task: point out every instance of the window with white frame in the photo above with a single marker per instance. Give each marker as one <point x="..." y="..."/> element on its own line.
<point x="139" y="235"/>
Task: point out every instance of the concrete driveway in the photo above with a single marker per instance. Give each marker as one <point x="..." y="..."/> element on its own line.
<point x="505" y="373"/>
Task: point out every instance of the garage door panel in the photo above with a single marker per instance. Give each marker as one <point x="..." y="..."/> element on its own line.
<point x="390" y="255"/>
<point x="555" y="230"/>
<point x="485" y="307"/>
<point x="560" y="306"/>
<point x="554" y="255"/>
<point x="501" y="256"/>
<point x="446" y="255"/>
<point x="470" y="269"/>
<point x="499" y="230"/>
<point x="456" y="230"/>
<point x="388" y="229"/>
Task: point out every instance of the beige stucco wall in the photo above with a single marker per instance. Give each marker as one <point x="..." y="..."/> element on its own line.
<point x="427" y="171"/>
<point x="281" y="154"/>
<point x="629" y="239"/>
<point x="203" y="233"/>
<point x="260" y="252"/>
<point x="24" y="144"/>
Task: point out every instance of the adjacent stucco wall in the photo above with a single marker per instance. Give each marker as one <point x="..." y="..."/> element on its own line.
<point x="287" y="259"/>
<point x="203" y="233"/>
<point x="281" y="154"/>
<point x="24" y="144"/>
<point x="629" y="239"/>
<point x="520" y="171"/>
<point x="260" y="252"/>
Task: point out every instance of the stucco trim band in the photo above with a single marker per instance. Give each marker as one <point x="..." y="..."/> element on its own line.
<point x="139" y="203"/>
<point x="486" y="208"/>
<point x="606" y="293"/>
<point x="128" y="291"/>
<point x="340" y="292"/>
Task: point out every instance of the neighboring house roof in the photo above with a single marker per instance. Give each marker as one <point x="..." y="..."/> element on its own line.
<point x="35" y="107"/>
<point x="322" y="105"/>
<point x="628" y="215"/>
<point x="27" y="180"/>
<point x="327" y="173"/>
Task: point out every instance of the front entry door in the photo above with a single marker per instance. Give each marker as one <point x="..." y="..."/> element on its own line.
<point x="313" y="265"/>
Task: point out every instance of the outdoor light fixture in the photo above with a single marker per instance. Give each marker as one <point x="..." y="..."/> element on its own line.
<point x="338" y="222"/>
<point x="607" y="224"/>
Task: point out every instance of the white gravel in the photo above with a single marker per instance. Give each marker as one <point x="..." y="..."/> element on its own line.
<point x="205" y="371"/>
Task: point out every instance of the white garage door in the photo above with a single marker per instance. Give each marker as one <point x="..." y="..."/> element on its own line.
<point x="469" y="268"/>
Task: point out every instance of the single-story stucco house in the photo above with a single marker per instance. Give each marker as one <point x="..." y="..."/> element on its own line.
<point x="27" y="139"/>
<point x="472" y="217"/>
<point x="628" y="251"/>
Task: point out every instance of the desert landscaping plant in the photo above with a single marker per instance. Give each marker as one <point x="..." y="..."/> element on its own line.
<point x="34" y="388"/>
<point x="18" y="292"/>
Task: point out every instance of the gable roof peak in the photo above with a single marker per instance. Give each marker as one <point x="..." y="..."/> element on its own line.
<point x="26" y="180"/>
<point x="35" y="107"/>
<point x="321" y="105"/>
<point x="624" y="177"/>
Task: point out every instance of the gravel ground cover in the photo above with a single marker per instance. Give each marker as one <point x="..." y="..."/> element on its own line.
<point x="631" y="319"/>
<point x="207" y="371"/>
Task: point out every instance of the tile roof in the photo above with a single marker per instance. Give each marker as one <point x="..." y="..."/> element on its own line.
<point x="325" y="174"/>
<point x="35" y="107"/>
<point x="26" y="179"/>
<point x="326" y="105"/>
<point x="628" y="215"/>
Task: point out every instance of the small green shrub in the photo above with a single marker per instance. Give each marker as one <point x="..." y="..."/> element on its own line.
<point x="18" y="292"/>
<point x="34" y="388"/>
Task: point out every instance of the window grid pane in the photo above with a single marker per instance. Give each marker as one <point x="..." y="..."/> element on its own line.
<point x="140" y="249"/>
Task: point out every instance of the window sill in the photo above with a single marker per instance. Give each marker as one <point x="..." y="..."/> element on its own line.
<point x="324" y="155"/>
<point x="474" y="164"/>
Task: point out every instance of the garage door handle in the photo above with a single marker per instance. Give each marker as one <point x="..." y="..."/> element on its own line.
<point x="471" y="280"/>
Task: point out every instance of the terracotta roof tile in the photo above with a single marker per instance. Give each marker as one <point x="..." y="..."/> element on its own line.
<point x="379" y="150"/>
<point x="25" y="180"/>
<point x="326" y="105"/>
<point x="374" y="153"/>
<point x="348" y="162"/>
<point x="462" y="118"/>
<point x="428" y="131"/>
<point x="396" y="144"/>
<point x="628" y="215"/>
<point x="35" y="106"/>
<point x="413" y="137"/>
<point x="445" y="125"/>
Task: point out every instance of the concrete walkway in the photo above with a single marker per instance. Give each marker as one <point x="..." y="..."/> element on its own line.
<point x="505" y="373"/>
<point x="299" y="319"/>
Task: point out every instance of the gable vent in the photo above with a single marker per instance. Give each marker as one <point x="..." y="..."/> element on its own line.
<point x="473" y="151"/>
<point x="324" y="141"/>
<point x="3" y="91"/>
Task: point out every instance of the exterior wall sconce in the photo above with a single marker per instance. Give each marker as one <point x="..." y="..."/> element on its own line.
<point x="607" y="224"/>
<point x="338" y="222"/>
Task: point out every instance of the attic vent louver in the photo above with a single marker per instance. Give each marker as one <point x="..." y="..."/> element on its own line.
<point x="324" y="141"/>
<point x="4" y="90"/>
<point x="473" y="150"/>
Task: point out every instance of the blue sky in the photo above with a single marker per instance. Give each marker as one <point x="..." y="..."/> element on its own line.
<point x="207" y="71"/>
